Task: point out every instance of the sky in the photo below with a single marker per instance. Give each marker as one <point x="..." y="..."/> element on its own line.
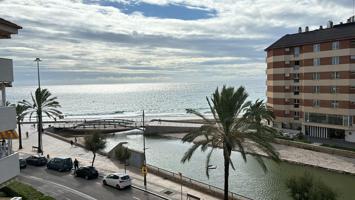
<point x="121" y="41"/>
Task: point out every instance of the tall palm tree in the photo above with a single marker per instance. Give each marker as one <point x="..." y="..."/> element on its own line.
<point x="21" y="112"/>
<point x="42" y="102"/>
<point x="232" y="130"/>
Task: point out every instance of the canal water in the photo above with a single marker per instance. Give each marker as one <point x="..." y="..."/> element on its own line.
<point x="248" y="179"/>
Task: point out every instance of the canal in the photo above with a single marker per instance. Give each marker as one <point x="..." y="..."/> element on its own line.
<point x="248" y="179"/>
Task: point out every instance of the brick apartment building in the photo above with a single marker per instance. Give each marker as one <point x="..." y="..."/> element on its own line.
<point x="311" y="81"/>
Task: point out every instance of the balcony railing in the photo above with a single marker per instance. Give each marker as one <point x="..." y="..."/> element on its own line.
<point x="7" y="118"/>
<point x="6" y="70"/>
<point x="9" y="167"/>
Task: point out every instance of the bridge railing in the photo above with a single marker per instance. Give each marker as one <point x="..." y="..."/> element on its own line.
<point x="187" y="181"/>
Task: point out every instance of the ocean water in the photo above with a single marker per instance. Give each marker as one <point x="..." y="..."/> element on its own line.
<point x="159" y="100"/>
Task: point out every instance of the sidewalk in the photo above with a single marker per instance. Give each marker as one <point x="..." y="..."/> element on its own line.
<point x="55" y="147"/>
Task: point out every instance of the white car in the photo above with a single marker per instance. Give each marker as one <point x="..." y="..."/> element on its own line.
<point x="117" y="180"/>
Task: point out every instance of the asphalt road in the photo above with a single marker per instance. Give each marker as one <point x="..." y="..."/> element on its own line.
<point x="64" y="186"/>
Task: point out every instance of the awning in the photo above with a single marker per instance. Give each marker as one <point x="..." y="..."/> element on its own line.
<point x="8" y="135"/>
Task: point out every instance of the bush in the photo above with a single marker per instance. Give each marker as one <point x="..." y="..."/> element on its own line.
<point x="306" y="188"/>
<point x="25" y="191"/>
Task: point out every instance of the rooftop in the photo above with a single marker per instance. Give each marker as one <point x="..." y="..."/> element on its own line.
<point x="336" y="32"/>
<point x="7" y="28"/>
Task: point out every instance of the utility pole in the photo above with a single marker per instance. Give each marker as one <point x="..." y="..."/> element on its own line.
<point x="39" y="111"/>
<point x="145" y="159"/>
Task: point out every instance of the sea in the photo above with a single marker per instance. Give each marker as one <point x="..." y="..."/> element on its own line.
<point x="128" y="100"/>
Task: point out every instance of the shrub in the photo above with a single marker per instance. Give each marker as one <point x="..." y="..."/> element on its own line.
<point x="306" y="188"/>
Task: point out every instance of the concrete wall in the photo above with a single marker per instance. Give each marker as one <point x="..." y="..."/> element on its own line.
<point x="7" y="118"/>
<point x="136" y="159"/>
<point x="340" y="152"/>
<point x="350" y="136"/>
<point x="6" y="70"/>
<point x="168" y="129"/>
<point x="9" y="167"/>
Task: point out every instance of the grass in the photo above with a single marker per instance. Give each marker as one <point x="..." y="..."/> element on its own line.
<point x="18" y="189"/>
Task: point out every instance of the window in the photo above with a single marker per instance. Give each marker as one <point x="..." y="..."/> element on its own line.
<point x="316" y="102"/>
<point x="335" y="60"/>
<point x="287" y="49"/>
<point x="296" y="51"/>
<point x="316" y="61"/>
<point x="334" y="104"/>
<point x="287" y="112"/>
<point x="335" y="75"/>
<point x="296" y="90"/>
<point x="287" y="62"/>
<point x="297" y="62"/>
<point x="333" y="89"/>
<point x="335" y="45"/>
<point x="296" y="76"/>
<point x="352" y="43"/>
<point x="296" y="115"/>
<point x="352" y="57"/>
<point x="352" y="87"/>
<point x="316" y="47"/>
<point x="316" y="76"/>
<point x="296" y="103"/>
<point x="316" y="89"/>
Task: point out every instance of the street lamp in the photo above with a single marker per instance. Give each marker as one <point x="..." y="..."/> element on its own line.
<point x="39" y="113"/>
<point x="144" y="156"/>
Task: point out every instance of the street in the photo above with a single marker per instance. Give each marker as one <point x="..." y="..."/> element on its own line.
<point x="64" y="186"/>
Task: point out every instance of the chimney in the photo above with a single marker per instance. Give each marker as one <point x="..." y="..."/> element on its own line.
<point x="307" y="29"/>
<point x="299" y="29"/>
<point x="320" y="27"/>
<point x="330" y="24"/>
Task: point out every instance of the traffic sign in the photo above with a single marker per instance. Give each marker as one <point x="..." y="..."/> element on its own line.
<point x="144" y="170"/>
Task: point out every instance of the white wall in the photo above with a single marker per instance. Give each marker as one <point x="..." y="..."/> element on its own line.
<point x="350" y="137"/>
<point x="9" y="167"/>
<point x="7" y="118"/>
<point x="6" y="70"/>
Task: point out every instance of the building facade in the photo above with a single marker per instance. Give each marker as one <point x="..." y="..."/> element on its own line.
<point x="9" y="160"/>
<point x="311" y="81"/>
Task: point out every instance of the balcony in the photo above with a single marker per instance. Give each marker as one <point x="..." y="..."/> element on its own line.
<point x="9" y="167"/>
<point x="6" y="70"/>
<point x="7" y="118"/>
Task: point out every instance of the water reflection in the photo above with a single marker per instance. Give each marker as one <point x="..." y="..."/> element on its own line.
<point x="248" y="179"/>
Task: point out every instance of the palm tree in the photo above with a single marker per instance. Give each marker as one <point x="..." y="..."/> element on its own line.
<point x="42" y="102"/>
<point x="232" y="130"/>
<point x="21" y="112"/>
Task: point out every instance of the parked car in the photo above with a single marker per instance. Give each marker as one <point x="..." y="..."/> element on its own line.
<point x="36" y="160"/>
<point x="87" y="172"/>
<point x="117" y="180"/>
<point x="60" y="164"/>
<point x="23" y="163"/>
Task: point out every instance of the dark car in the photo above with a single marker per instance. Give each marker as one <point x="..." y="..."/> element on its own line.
<point x="87" y="172"/>
<point x="60" y="164"/>
<point x="23" y="163"/>
<point x="36" y="160"/>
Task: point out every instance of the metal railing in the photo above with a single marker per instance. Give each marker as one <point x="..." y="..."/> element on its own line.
<point x="195" y="183"/>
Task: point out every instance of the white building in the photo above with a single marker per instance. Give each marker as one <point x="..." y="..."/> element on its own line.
<point x="9" y="161"/>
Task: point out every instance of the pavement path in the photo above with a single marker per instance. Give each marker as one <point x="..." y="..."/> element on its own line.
<point x="55" y="147"/>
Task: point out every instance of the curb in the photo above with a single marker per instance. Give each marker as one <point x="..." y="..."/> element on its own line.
<point x="150" y="192"/>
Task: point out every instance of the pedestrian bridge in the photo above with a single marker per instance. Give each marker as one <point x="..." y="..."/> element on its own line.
<point x="81" y="124"/>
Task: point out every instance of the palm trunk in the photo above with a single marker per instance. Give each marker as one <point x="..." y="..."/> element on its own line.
<point x="93" y="159"/>
<point x="226" y="172"/>
<point x="39" y="128"/>
<point x="20" y="136"/>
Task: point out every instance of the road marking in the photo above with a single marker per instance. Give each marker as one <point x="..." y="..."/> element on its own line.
<point x="136" y="198"/>
<point x="63" y="186"/>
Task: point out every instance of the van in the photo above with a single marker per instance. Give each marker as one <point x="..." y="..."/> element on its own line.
<point x="60" y="164"/>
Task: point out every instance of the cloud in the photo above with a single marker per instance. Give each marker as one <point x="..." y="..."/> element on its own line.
<point x="88" y="41"/>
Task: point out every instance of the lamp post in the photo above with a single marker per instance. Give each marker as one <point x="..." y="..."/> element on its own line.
<point x="144" y="156"/>
<point x="39" y="111"/>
